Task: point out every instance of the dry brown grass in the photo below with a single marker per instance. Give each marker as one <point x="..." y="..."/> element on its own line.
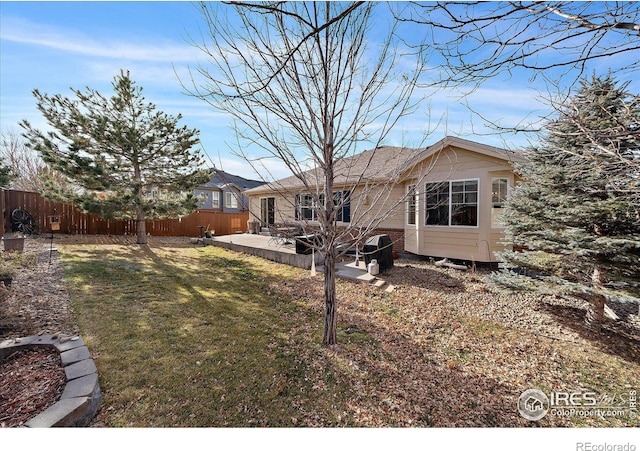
<point x="198" y="336"/>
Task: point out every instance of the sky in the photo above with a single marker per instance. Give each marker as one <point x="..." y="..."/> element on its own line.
<point x="54" y="46"/>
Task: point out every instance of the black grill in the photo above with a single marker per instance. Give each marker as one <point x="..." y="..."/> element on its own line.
<point x="304" y="243"/>
<point x="379" y="247"/>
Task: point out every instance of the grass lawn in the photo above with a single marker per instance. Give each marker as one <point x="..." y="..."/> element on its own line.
<point x="187" y="336"/>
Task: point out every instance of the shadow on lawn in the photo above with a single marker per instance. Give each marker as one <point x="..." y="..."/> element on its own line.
<point x="405" y="383"/>
<point x="260" y="357"/>
<point x="616" y="338"/>
<point x="202" y="331"/>
<point x="180" y="277"/>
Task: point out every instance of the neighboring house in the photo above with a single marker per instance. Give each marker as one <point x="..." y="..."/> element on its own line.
<point x="442" y="201"/>
<point x="223" y="192"/>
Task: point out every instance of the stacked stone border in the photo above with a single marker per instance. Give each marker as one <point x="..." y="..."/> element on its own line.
<point x="81" y="397"/>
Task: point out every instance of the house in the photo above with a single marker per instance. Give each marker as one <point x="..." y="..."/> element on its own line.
<point x="224" y="192"/>
<point x="441" y="201"/>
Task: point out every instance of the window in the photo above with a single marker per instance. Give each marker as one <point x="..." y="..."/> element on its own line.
<point x="437" y="203"/>
<point x="231" y="200"/>
<point x="464" y="203"/>
<point x="411" y="204"/>
<point x="215" y="199"/>
<point x="268" y="211"/>
<point x="307" y="209"/>
<point x="452" y="203"/>
<point x="342" y="200"/>
<point x="499" y="189"/>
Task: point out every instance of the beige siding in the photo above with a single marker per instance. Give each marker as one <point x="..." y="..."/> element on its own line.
<point x="466" y="243"/>
<point x="367" y="204"/>
<point x="378" y="204"/>
<point x="453" y="242"/>
<point x="284" y="209"/>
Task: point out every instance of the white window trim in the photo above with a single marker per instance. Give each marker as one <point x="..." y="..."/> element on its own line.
<point x="215" y="199"/>
<point x="234" y="200"/>
<point x="274" y="208"/>
<point x="477" y="226"/>
<point x="491" y="204"/>
<point x="416" y="202"/>
<point x="314" y="209"/>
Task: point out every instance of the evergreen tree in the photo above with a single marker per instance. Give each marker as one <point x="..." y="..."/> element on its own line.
<point x="127" y="159"/>
<point x="575" y="221"/>
<point x="6" y="175"/>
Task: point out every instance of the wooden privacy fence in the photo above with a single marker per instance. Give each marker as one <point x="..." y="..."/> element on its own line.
<point x="73" y="221"/>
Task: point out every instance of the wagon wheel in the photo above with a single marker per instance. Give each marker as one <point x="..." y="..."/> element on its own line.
<point x="22" y="221"/>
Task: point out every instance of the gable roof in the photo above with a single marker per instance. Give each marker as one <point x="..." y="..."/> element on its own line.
<point x="371" y="165"/>
<point x="221" y="179"/>
<point x="381" y="163"/>
<point x="472" y="146"/>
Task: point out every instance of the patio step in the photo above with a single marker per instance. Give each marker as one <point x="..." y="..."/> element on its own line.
<point x="378" y="283"/>
<point x="357" y="274"/>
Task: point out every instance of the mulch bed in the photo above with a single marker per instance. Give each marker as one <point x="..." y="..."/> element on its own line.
<point x="32" y="380"/>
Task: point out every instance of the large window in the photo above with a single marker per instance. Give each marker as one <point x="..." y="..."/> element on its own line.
<point x="342" y="199"/>
<point x="307" y="209"/>
<point x="499" y="189"/>
<point x="437" y="203"/>
<point x="453" y="203"/>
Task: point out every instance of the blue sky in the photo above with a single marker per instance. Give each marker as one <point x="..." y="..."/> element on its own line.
<point x="53" y="46"/>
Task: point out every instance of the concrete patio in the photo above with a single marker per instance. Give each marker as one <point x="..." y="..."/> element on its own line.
<point x="271" y="248"/>
<point x="284" y="251"/>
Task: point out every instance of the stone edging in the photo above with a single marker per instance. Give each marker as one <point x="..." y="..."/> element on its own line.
<point x="81" y="397"/>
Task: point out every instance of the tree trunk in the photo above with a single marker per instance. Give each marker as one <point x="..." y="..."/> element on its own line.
<point x="331" y="312"/>
<point x="595" y="312"/>
<point x="595" y="303"/>
<point x="141" y="226"/>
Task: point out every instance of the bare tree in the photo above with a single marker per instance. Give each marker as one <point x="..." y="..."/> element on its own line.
<point x="31" y="172"/>
<point x="550" y="39"/>
<point x="303" y="83"/>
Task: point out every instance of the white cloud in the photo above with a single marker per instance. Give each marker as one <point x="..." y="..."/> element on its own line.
<point x="27" y="32"/>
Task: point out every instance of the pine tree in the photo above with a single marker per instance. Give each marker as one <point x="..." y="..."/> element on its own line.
<point x="119" y="152"/>
<point x="6" y="175"/>
<point x="575" y="221"/>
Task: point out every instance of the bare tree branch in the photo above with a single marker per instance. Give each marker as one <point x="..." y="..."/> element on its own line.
<point x="480" y="40"/>
<point x="303" y="83"/>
